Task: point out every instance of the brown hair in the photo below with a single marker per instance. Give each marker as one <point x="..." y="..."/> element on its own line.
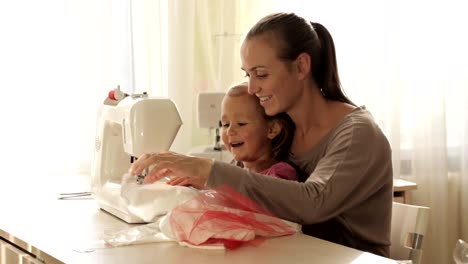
<point x="294" y="35"/>
<point x="282" y="142"/>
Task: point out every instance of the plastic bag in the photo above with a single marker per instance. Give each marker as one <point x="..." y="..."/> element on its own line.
<point x="158" y="231"/>
<point x="141" y="234"/>
<point x="222" y="215"/>
<point x="460" y="252"/>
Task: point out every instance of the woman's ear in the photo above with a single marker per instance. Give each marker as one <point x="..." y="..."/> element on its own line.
<point x="303" y="64"/>
<point x="274" y="129"/>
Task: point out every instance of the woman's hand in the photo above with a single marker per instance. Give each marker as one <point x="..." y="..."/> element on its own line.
<point x="168" y="163"/>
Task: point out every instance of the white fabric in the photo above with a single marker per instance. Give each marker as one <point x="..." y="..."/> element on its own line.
<point x="151" y="201"/>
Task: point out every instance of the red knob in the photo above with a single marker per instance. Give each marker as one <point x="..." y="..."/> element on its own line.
<point x="112" y="95"/>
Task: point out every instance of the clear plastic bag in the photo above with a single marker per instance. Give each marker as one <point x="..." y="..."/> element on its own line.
<point x="460" y="252"/>
<point x="222" y="215"/>
<point x="141" y="234"/>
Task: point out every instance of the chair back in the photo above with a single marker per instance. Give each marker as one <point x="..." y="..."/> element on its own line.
<point x="409" y="224"/>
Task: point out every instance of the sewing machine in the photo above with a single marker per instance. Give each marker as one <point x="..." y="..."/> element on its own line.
<point x="127" y="127"/>
<point x="209" y="116"/>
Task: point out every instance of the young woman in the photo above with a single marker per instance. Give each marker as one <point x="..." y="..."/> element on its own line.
<point x="346" y="195"/>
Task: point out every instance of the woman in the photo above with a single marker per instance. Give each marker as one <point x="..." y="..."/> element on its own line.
<point x="345" y="195"/>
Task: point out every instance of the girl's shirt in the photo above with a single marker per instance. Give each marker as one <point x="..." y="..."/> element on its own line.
<point x="282" y="170"/>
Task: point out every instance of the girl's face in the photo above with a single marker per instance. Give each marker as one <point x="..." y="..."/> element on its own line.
<point x="245" y="132"/>
<point x="270" y="80"/>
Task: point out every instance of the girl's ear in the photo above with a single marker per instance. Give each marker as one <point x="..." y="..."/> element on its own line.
<point x="274" y="129"/>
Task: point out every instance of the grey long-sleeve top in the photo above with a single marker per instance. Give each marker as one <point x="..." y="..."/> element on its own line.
<point x="345" y="195"/>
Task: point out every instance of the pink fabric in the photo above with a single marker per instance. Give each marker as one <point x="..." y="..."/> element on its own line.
<point x="282" y="170"/>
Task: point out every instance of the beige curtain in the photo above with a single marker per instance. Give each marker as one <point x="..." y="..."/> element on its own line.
<point x="55" y="71"/>
<point x="203" y="42"/>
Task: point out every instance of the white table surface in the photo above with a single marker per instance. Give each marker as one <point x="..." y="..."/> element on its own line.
<point x="69" y="231"/>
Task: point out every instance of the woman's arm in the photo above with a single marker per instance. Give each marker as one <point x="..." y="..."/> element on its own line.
<point x="357" y="164"/>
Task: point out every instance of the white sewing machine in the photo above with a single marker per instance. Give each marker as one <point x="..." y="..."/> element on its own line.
<point x="127" y="127"/>
<point x="209" y="116"/>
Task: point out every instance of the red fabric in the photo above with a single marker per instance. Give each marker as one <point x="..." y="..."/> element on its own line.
<point x="223" y="215"/>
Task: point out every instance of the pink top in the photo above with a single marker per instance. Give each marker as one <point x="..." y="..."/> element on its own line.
<point x="282" y="170"/>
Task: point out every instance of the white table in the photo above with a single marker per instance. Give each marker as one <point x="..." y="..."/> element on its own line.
<point x="68" y="231"/>
<point x="402" y="190"/>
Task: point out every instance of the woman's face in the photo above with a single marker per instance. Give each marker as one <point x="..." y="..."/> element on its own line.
<point x="245" y="132"/>
<point x="270" y="80"/>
